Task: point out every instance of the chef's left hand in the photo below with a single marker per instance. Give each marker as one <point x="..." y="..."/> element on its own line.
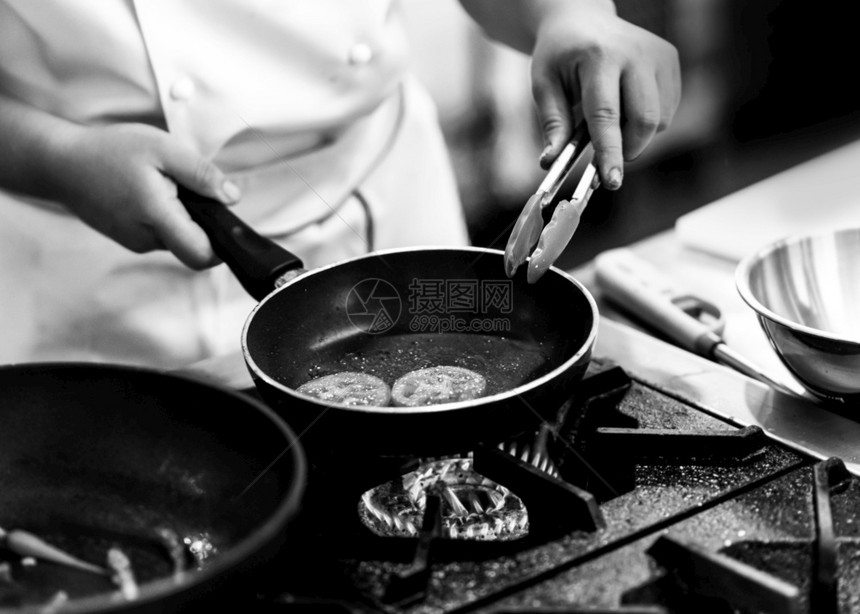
<point x="625" y="80"/>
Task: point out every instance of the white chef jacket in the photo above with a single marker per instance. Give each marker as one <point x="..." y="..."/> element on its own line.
<point x="305" y="104"/>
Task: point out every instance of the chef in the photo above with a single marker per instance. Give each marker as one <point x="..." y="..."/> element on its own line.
<point x="301" y="115"/>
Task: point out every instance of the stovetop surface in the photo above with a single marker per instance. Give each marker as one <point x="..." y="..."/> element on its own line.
<point x="674" y="497"/>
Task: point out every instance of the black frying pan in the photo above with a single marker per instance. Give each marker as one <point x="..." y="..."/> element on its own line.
<point x="98" y="456"/>
<point x="532" y="341"/>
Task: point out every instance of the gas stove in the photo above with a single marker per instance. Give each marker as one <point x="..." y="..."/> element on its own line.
<point x="639" y="497"/>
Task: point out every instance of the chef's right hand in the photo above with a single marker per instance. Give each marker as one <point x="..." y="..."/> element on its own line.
<point x="121" y="180"/>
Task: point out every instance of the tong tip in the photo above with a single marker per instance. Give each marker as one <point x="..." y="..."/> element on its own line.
<point x="525" y="234"/>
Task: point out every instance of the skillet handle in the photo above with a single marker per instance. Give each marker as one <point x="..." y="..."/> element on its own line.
<point x="257" y="262"/>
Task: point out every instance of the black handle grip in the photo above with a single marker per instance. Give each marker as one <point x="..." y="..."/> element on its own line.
<point x="257" y="262"/>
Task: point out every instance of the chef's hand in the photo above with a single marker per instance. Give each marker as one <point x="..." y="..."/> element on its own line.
<point x="121" y="180"/>
<point x="625" y="80"/>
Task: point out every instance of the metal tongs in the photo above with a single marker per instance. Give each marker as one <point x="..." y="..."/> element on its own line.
<point x="551" y="240"/>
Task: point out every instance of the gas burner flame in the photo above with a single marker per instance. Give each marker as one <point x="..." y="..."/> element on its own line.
<point x="473" y="507"/>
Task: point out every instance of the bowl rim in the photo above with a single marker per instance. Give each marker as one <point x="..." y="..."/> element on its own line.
<point x="746" y="264"/>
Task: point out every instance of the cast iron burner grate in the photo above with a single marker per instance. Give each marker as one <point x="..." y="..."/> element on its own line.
<point x="554" y="507"/>
<point x="735" y="580"/>
<point x="746" y="577"/>
<point x="558" y="478"/>
<point x="345" y="504"/>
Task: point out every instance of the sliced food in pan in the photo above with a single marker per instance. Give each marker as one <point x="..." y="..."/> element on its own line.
<point x="349" y="388"/>
<point x="435" y="385"/>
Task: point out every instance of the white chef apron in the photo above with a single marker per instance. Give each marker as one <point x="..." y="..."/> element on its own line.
<point x="69" y="293"/>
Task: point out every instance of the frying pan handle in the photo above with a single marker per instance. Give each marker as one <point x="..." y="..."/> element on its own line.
<point x="257" y="262"/>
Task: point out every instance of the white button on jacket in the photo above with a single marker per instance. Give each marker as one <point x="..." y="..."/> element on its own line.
<point x="360" y="53"/>
<point x="182" y="89"/>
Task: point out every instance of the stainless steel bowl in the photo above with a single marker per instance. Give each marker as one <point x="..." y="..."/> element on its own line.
<point x="806" y="293"/>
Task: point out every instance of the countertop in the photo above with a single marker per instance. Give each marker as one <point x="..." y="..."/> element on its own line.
<point x="701" y="253"/>
<point x="700" y="274"/>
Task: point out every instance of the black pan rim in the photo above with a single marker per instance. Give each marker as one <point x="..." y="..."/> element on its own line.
<point x="585" y="348"/>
